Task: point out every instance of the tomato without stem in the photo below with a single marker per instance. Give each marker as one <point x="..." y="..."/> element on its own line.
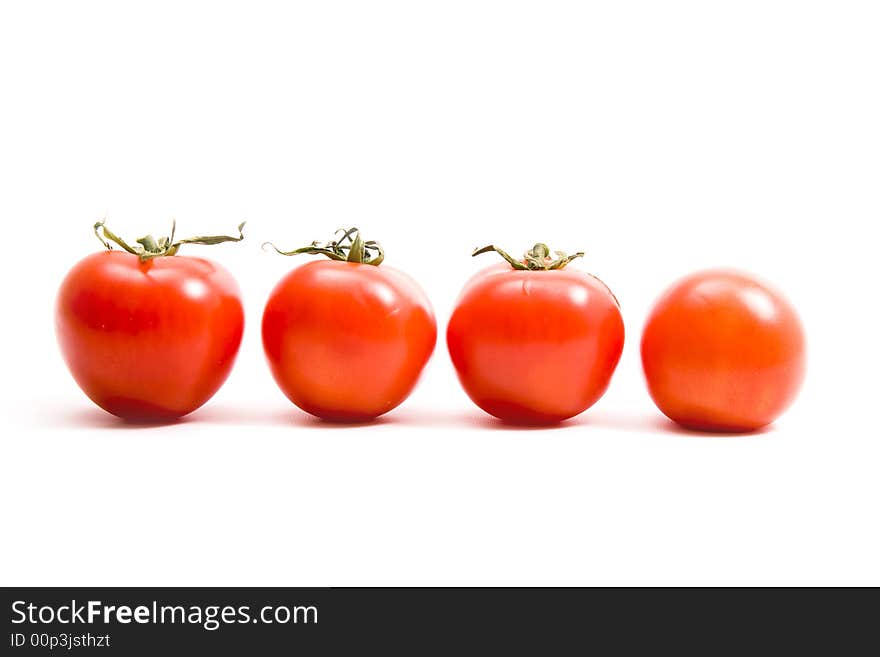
<point x="149" y="336"/>
<point x="346" y="340"/>
<point x="536" y="344"/>
<point x="722" y="351"/>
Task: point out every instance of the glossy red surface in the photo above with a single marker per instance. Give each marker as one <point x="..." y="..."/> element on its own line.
<point x="347" y="341"/>
<point x="152" y="340"/>
<point x="723" y="351"/>
<point x="535" y="346"/>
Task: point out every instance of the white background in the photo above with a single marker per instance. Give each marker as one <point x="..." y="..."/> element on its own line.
<point x="658" y="137"/>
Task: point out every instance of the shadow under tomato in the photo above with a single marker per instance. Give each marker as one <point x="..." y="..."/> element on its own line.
<point x="668" y="426"/>
<point x="276" y="417"/>
<point x="306" y="421"/>
<point x="491" y="422"/>
<point x="455" y="419"/>
<point x="95" y="418"/>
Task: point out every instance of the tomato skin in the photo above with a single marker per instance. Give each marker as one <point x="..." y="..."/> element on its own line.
<point x="347" y="341"/>
<point x="535" y="347"/>
<point x="149" y="341"/>
<point x="722" y="351"/>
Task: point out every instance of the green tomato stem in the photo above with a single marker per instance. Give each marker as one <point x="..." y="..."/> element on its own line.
<point x="535" y="259"/>
<point x="148" y="247"/>
<point x="351" y="247"/>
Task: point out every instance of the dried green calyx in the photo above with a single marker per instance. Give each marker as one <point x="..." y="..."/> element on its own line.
<point x="538" y="258"/>
<point x="149" y="247"/>
<point x="350" y="247"/>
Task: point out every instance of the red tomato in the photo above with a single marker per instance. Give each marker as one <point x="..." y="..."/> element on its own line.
<point x="535" y="346"/>
<point x="347" y="341"/>
<point x="723" y="352"/>
<point x="149" y="340"/>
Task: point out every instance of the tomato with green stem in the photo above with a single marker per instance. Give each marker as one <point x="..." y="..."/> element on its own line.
<point x="347" y="339"/>
<point x="532" y="341"/>
<point x="147" y="334"/>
